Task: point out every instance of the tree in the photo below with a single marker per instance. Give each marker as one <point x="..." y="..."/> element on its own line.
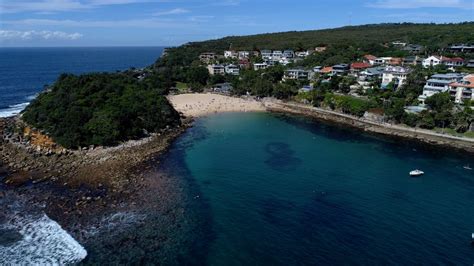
<point x="197" y="74"/>
<point x="262" y="87"/>
<point x="440" y="102"/>
<point x="427" y="120"/>
<point x="284" y="91"/>
<point x="395" y="109"/>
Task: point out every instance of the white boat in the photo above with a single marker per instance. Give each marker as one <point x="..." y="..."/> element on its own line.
<point x="417" y="173"/>
<point x="467" y="167"/>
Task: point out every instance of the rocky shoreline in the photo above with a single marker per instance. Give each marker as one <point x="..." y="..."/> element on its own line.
<point x="80" y="188"/>
<point x="423" y="136"/>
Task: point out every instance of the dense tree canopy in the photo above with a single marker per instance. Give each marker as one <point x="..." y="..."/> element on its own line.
<point x="101" y="109"/>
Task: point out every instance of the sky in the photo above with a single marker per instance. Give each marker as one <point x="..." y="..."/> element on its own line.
<point x="174" y="22"/>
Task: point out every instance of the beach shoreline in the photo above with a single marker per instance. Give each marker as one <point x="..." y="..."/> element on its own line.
<point x="198" y="105"/>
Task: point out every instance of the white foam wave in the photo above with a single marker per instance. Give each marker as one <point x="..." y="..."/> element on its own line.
<point x="13" y="109"/>
<point x="31" y="97"/>
<point x="114" y="223"/>
<point x="43" y="242"/>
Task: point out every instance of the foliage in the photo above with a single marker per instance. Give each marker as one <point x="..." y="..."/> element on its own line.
<point x="344" y="44"/>
<point x="440" y="102"/>
<point x="101" y="109"/>
<point x="347" y="104"/>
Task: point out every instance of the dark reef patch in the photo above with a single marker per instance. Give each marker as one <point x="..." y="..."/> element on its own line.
<point x="280" y="157"/>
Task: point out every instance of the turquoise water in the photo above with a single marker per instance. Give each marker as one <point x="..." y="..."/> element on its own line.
<point x="286" y="191"/>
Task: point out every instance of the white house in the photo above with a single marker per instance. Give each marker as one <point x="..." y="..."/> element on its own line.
<point x="296" y="74"/>
<point x="462" y="90"/>
<point x="284" y="61"/>
<point x="396" y="74"/>
<point x="431" y="61"/>
<point x="288" y="54"/>
<point x="216" y="69"/>
<point x="259" y="66"/>
<point x="399" y="43"/>
<point x="302" y="54"/>
<point x="382" y="61"/>
<point x="244" y="54"/>
<point x="438" y="83"/>
<point x="266" y="54"/>
<point x="277" y="55"/>
<point x="230" y="54"/>
<point x="232" y="70"/>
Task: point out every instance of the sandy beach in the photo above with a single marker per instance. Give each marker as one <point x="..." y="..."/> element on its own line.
<point x="201" y="104"/>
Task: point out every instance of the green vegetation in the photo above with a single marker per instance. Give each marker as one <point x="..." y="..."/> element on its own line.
<point x="101" y="109"/>
<point x="344" y="44"/>
<point x="104" y="109"/>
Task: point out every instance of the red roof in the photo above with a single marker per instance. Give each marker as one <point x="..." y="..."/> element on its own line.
<point x="454" y="59"/>
<point x="326" y="70"/>
<point x="468" y="82"/>
<point x="360" y="65"/>
<point x="370" y="57"/>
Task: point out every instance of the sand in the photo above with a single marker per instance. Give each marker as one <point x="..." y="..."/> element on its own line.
<point x="202" y="104"/>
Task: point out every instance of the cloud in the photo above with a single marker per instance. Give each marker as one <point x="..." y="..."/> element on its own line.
<point x="35" y="35"/>
<point x="7" y="6"/>
<point x="46" y="6"/>
<point x="175" y="11"/>
<point x="201" y="18"/>
<point x="129" y="23"/>
<point x="405" y="4"/>
<point x="227" y="3"/>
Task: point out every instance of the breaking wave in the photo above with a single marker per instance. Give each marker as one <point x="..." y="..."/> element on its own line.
<point x="37" y="241"/>
<point x="13" y="109"/>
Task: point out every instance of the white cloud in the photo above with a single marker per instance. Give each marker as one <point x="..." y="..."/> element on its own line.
<point x="227" y="3"/>
<point x="35" y="35"/>
<point x="130" y="23"/>
<point x="175" y="11"/>
<point x="40" y="6"/>
<point x="201" y="18"/>
<point x="405" y="4"/>
<point x="45" y="6"/>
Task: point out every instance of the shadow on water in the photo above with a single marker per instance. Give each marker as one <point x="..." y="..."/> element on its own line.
<point x="280" y="157"/>
<point x="173" y="164"/>
<point x="171" y="226"/>
<point x="393" y="145"/>
<point x="273" y="209"/>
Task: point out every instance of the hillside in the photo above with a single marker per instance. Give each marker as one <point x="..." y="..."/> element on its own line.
<point x="366" y="37"/>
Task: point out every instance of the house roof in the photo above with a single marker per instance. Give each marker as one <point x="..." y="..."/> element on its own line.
<point x="454" y="59"/>
<point x="433" y="56"/>
<point x="468" y="82"/>
<point x="360" y="65"/>
<point x="446" y="76"/>
<point x="375" y="70"/>
<point x="326" y="70"/>
<point x="370" y="57"/>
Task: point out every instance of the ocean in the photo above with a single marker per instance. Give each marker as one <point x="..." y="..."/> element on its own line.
<point x="25" y="71"/>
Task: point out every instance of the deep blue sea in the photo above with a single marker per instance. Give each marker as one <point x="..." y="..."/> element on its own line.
<point x="288" y="191"/>
<point x="25" y="71"/>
